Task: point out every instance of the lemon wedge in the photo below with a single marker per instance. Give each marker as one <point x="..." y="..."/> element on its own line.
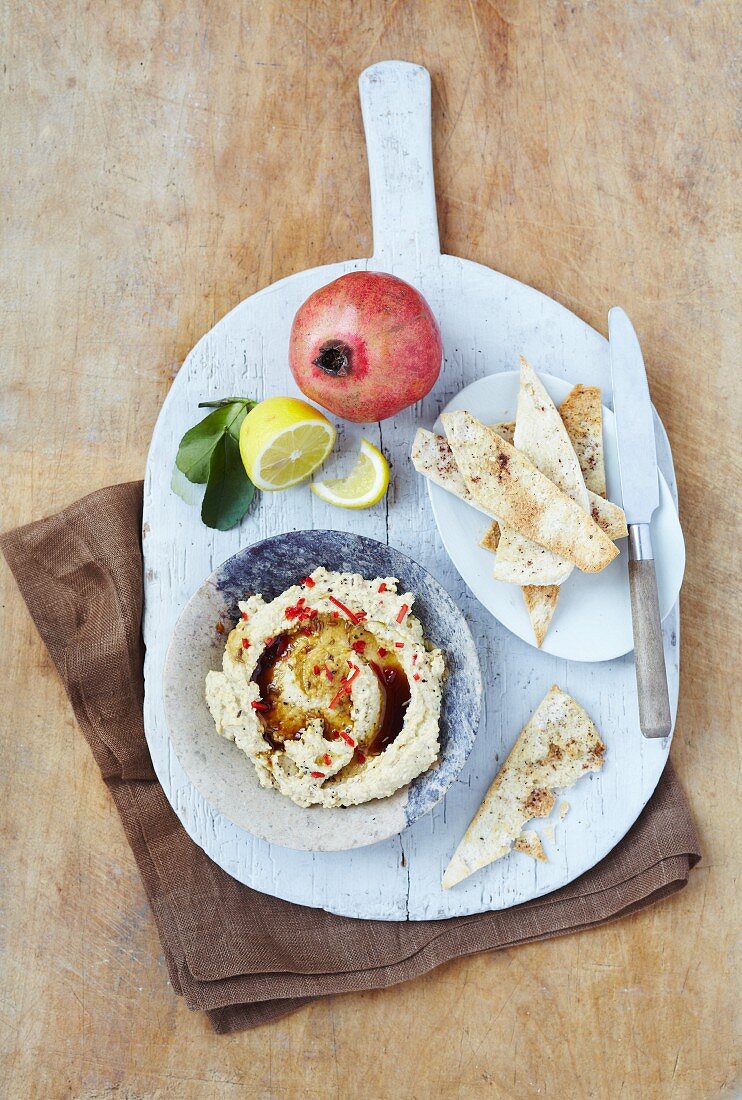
<point x="365" y="484"/>
<point x="282" y="441"/>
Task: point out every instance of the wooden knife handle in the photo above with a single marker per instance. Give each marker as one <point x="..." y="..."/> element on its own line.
<point x="649" y="653"/>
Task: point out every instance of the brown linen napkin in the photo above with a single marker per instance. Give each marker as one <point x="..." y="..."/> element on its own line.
<point x="242" y="956"/>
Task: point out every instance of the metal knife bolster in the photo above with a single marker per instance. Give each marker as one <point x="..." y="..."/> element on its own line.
<point x="640" y="542"/>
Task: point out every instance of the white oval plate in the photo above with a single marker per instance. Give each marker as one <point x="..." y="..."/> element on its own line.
<point x="592" y="621"/>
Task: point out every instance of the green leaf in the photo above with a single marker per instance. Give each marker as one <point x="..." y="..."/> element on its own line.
<point x="236" y="424"/>
<point x="198" y="444"/>
<point x="229" y="490"/>
<point x="186" y="490"/>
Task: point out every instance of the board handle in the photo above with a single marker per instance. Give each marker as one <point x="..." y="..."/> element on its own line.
<point x="395" y="103"/>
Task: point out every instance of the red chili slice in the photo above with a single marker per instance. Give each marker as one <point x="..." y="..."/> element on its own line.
<point x="348" y="739"/>
<point x="399" y="645"/>
<point x="345" y="685"/>
<point x="402" y="612"/>
<point x="416" y="676"/>
<point x="346" y="610"/>
<point x="317" y="775"/>
<point x="327" y="759"/>
<point x="244" y="616"/>
<point x="308" y="582"/>
<point x="382" y="652"/>
<point x="337" y="697"/>
<point x="359" y="646"/>
<point x="257" y="704"/>
<point x="245" y="643"/>
<point x="360" y="756"/>
<point x="382" y="587"/>
<point x="316" y="670"/>
<point x="329" y="673"/>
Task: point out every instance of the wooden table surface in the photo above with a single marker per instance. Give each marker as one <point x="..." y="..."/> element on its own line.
<point x="162" y="161"/>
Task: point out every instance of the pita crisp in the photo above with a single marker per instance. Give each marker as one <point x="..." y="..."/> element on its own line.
<point x="505" y="484"/>
<point x="582" y="414"/>
<point x="557" y="746"/>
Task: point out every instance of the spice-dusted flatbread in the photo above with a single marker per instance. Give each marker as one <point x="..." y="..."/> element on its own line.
<point x="529" y="843"/>
<point x="510" y="487"/>
<point x="520" y="565"/>
<point x="490" y="540"/>
<point x="432" y="457"/>
<point x="542" y="437"/>
<point x="582" y="413"/>
<point x="556" y="746"/>
<point x="610" y="517"/>
<point x="506" y="430"/>
<point x="581" y="416"/>
<point x="540" y="601"/>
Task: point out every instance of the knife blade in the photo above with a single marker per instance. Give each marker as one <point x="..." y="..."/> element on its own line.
<point x="637" y="456"/>
<point x="637" y="462"/>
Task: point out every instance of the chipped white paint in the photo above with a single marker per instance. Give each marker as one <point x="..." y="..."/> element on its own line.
<point x="487" y="321"/>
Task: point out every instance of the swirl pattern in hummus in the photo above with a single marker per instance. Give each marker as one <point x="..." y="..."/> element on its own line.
<point x="331" y="690"/>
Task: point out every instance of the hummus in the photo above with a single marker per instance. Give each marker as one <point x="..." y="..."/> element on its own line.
<point x="331" y="690"/>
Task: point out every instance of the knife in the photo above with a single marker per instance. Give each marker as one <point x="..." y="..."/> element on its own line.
<point x="637" y="461"/>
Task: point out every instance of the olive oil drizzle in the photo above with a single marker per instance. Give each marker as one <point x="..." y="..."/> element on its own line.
<point x="306" y="648"/>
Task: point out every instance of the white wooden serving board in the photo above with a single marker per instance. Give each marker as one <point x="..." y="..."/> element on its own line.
<point x="487" y="321"/>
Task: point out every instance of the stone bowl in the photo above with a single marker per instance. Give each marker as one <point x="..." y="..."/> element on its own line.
<point x="222" y="773"/>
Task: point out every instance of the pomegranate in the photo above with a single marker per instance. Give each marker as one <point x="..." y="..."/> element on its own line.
<point x="365" y="346"/>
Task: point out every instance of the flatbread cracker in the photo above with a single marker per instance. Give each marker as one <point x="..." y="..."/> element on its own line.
<point x="510" y="488"/>
<point x="541" y="601"/>
<point x="609" y="516"/>
<point x="541" y="436"/>
<point x="529" y="843"/>
<point x="555" y="748"/>
<point x="490" y="540"/>
<point x="432" y="457"/>
<point x="506" y="430"/>
<point x="582" y="413"/>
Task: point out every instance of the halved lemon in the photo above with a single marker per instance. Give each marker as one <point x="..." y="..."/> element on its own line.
<point x="365" y="484"/>
<point x="283" y="440"/>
